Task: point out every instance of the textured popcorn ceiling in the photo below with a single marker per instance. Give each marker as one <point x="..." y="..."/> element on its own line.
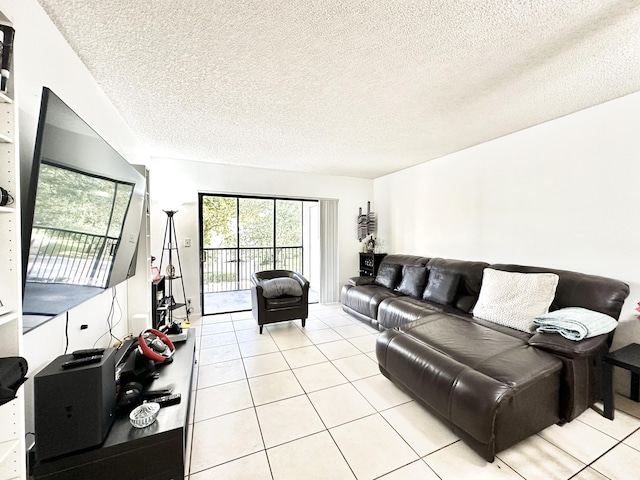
<point x="360" y="88"/>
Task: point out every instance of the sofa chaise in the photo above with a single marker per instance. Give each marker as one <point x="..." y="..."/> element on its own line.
<point x="493" y="384"/>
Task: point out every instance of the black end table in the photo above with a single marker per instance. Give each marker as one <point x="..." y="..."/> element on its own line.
<point x="628" y="358"/>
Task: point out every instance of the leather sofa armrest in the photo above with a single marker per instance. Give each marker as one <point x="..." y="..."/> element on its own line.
<point x="554" y="343"/>
<point x="355" y="281"/>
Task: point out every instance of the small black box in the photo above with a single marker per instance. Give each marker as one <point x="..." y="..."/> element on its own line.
<point x="74" y="407"/>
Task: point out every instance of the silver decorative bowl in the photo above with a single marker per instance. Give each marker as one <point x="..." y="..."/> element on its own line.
<point x="144" y="415"/>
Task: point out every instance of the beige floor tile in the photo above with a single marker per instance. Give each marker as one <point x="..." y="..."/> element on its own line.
<point x="219" y="373"/>
<point x="222" y="439"/>
<point x="351" y="331"/>
<point x="340" y="404"/>
<point x="251" y="467"/>
<point x="328" y="313"/>
<point x="551" y="463"/>
<point x="210" y="341"/>
<point x="319" y="376"/>
<point x="357" y="367"/>
<point x="365" y="344"/>
<point x="222" y="399"/>
<point x="381" y="392"/>
<point x="589" y="474"/>
<point x="458" y="461"/>
<point x="259" y="347"/>
<point x="621" y="463"/>
<point x="248" y="324"/>
<point x="339" y="349"/>
<point x="252" y="335"/>
<point x="622" y="425"/>
<point x="274" y="387"/>
<point x="291" y="326"/>
<point x="287" y="420"/>
<point x="311" y="458"/>
<point x="634" y="441"/>
<point x="293" y="340"/>
<point x="414" y="471"/>
<point x="335" y="321"/>
<point x="314" y="324"/>
<point x="209" y="319"/>
<point x="419" y="428"/>
<point x="579" y="440"/>
<point x="354" y="439"/>
<point x="242" y="316"/>
<point x="213" y="328"/>
<point x="222" y="353"/>
<point x="323" y="336"/>
<point x="301" y="357"/>
<point x="372" y="356"/>
<point x="265" y="364"/>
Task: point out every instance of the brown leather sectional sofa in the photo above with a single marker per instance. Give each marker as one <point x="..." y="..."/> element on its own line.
<point x="493" y="385"/>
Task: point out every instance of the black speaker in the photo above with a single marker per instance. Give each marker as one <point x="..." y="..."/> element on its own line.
<point x="74" y="407"/>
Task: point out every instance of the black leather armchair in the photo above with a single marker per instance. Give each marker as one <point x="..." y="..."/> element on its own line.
<point x="280" y="308"/>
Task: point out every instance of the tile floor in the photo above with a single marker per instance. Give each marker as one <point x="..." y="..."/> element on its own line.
<point x="310" y="403"/>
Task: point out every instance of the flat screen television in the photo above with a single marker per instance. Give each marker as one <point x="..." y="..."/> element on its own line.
<point x="82" y="215"/>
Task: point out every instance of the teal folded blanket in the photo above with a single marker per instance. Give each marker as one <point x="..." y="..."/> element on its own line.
<point x="575" y="323"/>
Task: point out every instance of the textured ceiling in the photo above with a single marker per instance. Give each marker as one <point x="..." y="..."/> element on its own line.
<point x="359" y="88"/>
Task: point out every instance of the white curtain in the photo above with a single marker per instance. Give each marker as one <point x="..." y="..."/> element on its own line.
<point x="329" y="287"/>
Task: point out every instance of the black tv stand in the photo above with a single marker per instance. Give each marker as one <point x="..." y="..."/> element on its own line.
<point x="153" y="453"/>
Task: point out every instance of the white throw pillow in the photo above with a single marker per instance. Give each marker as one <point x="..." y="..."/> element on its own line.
<point x="515" y="299"/>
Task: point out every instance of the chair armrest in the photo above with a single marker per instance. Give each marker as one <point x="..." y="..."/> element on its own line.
<point x="301" y="280"/>
<point x="355" y="281"/>
<point x="554" y="343"/>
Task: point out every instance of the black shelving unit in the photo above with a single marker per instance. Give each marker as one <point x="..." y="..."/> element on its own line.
<point x="369" y="263"/>
<point x="168" y="304"/>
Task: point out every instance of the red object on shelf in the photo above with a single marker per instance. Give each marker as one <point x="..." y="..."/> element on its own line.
<point x="638" y="310"/>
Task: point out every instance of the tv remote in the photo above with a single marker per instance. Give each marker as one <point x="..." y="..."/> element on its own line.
<point x="166" y="400"/>
<point x="89" y="352"/>
<point x="77" y="362"/>
<point x="157" y="393"/>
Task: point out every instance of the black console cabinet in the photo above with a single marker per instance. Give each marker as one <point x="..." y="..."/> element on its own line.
<point x="369" y="263"/>
<point x="156" y="452"/>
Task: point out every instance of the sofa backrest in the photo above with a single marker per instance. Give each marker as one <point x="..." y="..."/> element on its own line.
<point x="411" y="260"/>
<point x="600" y="294"/>
<point x="470" y="279"/>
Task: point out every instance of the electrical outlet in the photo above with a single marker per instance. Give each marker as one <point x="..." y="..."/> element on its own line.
<point x="187" y="242"/>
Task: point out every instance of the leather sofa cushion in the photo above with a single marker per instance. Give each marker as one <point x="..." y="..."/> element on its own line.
<point x="388" y="275"/>
<point x="461" y="369"/>
<point x="413" y="280"/>
<point x="365" y="299"/>
<point x="283" y="302"/>
<point x="442" y="286"/>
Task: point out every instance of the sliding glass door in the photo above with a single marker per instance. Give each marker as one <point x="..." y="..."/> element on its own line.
<point x="243" y="235"/>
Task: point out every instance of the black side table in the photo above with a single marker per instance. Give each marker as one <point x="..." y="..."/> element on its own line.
<point x="628" y="358"/>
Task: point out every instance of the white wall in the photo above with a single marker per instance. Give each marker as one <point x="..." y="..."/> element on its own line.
<point x="175" y="185"/>
<point x="563" y="194"/>
<point x="43" y="58"/>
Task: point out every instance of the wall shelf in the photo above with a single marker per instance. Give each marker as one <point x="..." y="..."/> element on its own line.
<point x="12" y="416"/>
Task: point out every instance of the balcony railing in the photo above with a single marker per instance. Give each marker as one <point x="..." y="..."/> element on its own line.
<point x="65" y="256"/>
<point x="229" y="269"/>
